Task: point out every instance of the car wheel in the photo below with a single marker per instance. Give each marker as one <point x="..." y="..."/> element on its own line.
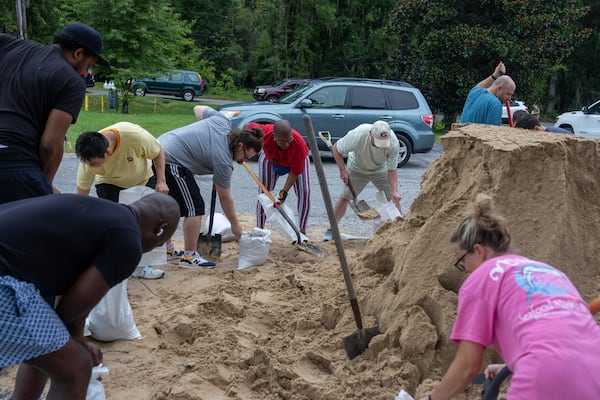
<point x="405" y="150"/>
<point x="272" y="99"/>
<point x="567" y="127"/>
<point x="188" y="95"/>
<point x="139" y="91"/>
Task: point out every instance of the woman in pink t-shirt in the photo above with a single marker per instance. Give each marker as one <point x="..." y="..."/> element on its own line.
<point x="529" y="311"/>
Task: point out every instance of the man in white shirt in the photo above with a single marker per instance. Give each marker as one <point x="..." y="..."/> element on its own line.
<point x="372" y="151"/>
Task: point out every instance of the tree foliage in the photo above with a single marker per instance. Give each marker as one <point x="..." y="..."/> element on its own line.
<point x="446" y="47"/>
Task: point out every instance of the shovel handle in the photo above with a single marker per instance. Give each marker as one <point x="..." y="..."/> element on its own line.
<point x="270" y="196"/>
<point x="326" y="140"/>
<point x="332" y="221"/>
<point x="352" y="190"/>
<point x="213" y="202"/>
<point x="258" y="182"/>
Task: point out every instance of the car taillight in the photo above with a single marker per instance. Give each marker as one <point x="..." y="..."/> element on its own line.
<point x="428" y="119"/>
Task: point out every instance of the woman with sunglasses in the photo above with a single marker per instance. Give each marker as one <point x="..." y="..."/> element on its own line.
<point x="529" y="311"/>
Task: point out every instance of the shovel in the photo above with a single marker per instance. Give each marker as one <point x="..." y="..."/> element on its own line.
<point x="209" y="245"/>
<point x="360" y="208"/>
<point x="357" y="342"/>
<point x="302" y="245"/>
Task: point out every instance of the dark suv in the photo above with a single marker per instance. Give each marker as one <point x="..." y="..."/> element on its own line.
<point x="184" y="84"/>
<point x="273" y="93"/>
<point x="339" y="105"/>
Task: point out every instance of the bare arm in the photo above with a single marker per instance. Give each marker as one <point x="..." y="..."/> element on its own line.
<point x="52" y="142"/>
<point x="80" y="298"/>
<point x="199" y="111"/>
<point x="159" y="168"/>
<point x="229" y="209"/>
<point x="498" y="71"/>
<point x="339" y="160"/>
<point x="392" y="175"/>
<point x="290" y="181"/>
<point x="464" y="368"/>
<point x="83" y="192"/>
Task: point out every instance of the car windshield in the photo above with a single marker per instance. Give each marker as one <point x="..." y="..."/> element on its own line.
<point x="294" y="95"/>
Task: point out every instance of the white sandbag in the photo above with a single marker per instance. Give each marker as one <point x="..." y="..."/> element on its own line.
<point x="95" y="389"/>
<point x="254" y="248"/>
<point x="275" y="218"/>
<point x="112" y="318"/>
<point x="221" y="226"/>
<point x="403" y="395"/>
<point x="386" y="209"/>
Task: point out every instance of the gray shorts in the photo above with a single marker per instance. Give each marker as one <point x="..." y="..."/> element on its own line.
<point x="29" y="327"/>
<point x="359" y="181"/>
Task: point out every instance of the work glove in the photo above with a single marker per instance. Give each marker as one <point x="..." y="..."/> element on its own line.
<point x="281" y="196"/>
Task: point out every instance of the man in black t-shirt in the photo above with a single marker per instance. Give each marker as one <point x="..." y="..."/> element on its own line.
<point x="41" y="95"/>
<point x="72" y="248"/>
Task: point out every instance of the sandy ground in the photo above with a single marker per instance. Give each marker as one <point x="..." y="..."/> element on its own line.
<point x="276" y="331"/>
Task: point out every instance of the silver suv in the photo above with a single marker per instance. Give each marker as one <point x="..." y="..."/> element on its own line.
<point x="338" y="105"/>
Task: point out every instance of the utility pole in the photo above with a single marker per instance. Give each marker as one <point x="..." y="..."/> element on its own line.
<point x="21" y="18"/>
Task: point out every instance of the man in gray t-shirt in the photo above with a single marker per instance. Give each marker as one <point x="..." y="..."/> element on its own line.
<point x="205" y="147"/>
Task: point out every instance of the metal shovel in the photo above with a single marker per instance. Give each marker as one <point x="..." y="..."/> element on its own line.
<point x="209" y="245"/>
<point x="307" y="247"/>
<point x="363" y="210"/>
<point x="357" y="342"/>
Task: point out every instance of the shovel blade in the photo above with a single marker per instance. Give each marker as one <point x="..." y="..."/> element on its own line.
<point x="363" y="210"/>
<point x="214" y="248"/>
<point x="357" y="342"/>
<point x="311" y="249"/>
<point x="210" y="246"/>
<point x="363" y="206"/>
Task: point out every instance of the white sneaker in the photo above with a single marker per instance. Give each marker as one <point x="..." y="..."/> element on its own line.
<point x="147" y="272"/>
<point x="195" y="261"/>
<point x="327" y="236"/>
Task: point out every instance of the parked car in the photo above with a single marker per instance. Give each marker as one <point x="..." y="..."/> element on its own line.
<point x="273" y="93"/>
<point x="338" y="105"/>
<point x="89" y="80"/>
<point x="585" y="122"/>
<point x="180" y="83"/>
<point x="514" y="106"/>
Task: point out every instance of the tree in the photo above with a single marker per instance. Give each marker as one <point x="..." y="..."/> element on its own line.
<point x="141" y="38"/>
<point x="578" y="82"/>
<point x="446" y="47"/>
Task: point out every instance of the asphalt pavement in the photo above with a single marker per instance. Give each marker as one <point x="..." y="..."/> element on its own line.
<point x="245" y="191"/>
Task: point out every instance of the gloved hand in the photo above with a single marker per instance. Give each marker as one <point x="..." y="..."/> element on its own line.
<point x="281" y="196"/>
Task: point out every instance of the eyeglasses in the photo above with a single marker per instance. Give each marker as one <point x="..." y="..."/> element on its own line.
<point x="460" y="263"/>
<point x="283" y="141"/>
<point x="245" y="155"/>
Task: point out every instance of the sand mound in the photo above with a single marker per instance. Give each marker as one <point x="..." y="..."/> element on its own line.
<point x="275" y="332"/>
<point x="545" y="184"/>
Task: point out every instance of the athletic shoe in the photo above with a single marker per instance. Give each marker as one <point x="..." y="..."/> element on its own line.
<point x="147" y="272"/>
<point x="327" y="236"/>
<point x="174" y="253"/>
<point x="195" y="261"/>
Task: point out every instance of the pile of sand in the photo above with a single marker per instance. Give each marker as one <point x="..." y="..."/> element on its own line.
<point x="275" y="332"/>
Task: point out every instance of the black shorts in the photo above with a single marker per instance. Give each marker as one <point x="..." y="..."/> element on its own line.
<point x="184" y="189"/>
<point x="22" y="182"/>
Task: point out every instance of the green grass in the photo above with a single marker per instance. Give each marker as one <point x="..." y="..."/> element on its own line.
<point x="155" y="114"/>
